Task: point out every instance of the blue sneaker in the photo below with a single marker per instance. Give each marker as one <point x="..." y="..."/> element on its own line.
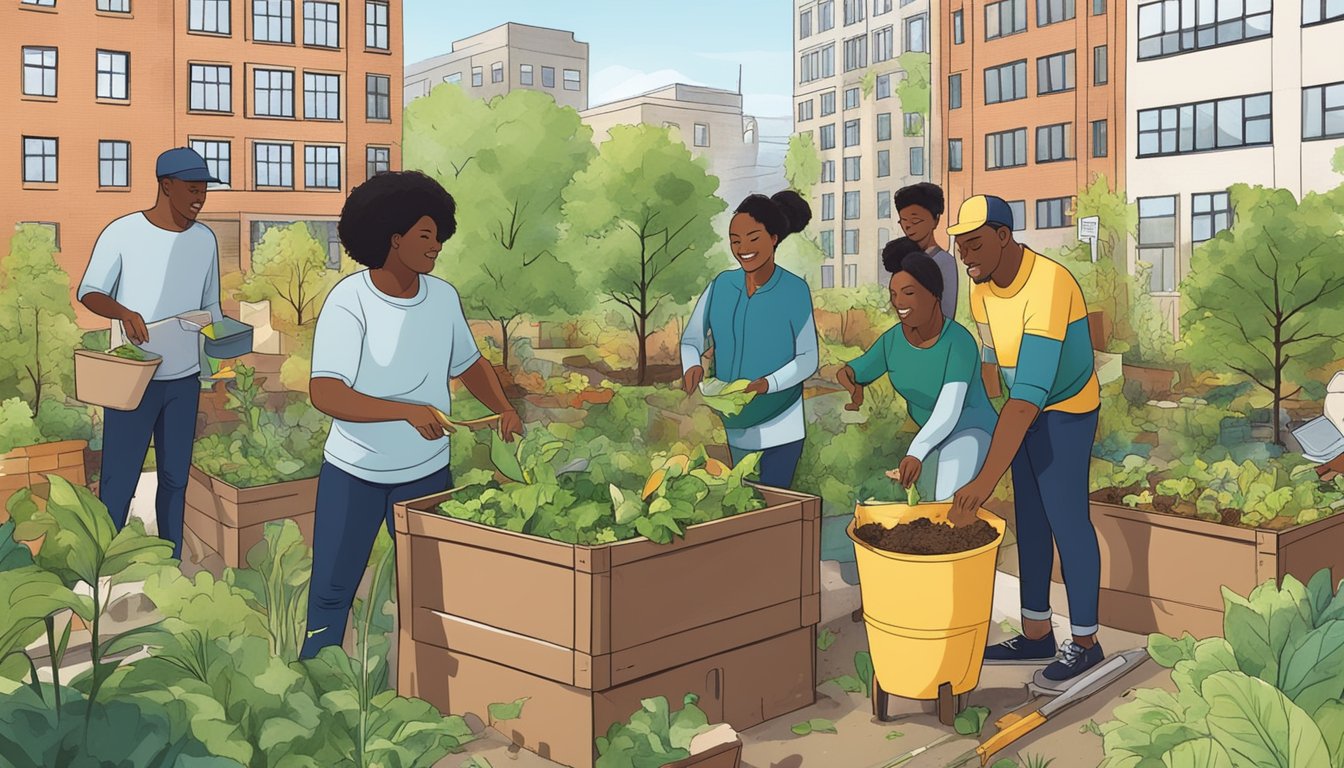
<point x="1022" y="650"/>
<point x="1073" y="661"/>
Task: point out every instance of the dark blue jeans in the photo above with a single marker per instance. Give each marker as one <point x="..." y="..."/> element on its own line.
<point x="168" y="414"/>
<point x="345" y="524"/>
<point x="778" y="464"/>
<point x="1050" y="489"/>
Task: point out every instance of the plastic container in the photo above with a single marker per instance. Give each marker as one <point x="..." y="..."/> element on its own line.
<point x="927" y="615"/>
<point x="113" y="382"/>
<point x="227" y="339"/>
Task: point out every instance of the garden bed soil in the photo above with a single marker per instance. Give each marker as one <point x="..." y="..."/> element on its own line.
<point x="222" y="523"/>
<point x="925" y="537"/>
<point x="28" y="467"/>
<point x="728" y="612"/>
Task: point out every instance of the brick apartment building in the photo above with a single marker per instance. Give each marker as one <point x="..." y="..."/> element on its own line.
<point x="290" y="101"/>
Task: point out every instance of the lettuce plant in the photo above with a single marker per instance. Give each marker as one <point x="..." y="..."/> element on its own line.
<point x="653" y="736"/>
<point x="267" y="446"/>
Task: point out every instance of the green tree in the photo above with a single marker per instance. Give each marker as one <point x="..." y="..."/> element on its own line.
<point x="289" y="269"/>
<point x="1117" y="218"/>
<point x="40" y="333"/>
<point x="505" y="257"/>
<point x="913" y="90"/>
<point x="802" y="165"/>
<point x="1337" y="162"/>
<point x="1267" y="297"/>
<point x="646" y="207"/>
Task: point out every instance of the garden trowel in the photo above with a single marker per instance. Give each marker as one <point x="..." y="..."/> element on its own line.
<point x="473" y="424"/>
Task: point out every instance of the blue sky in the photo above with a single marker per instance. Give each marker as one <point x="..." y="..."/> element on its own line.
<point x="637" y="46"/>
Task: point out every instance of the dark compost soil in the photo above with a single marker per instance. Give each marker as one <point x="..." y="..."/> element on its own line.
<point x="925" y="537"/>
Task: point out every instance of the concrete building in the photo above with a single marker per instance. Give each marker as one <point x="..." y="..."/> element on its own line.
<point x="1265" y="106"/>
<point x="506" y="58"/>
<point x="709" y="120"/>
<point x="1033" y="105"/>
<point x="289" y="101"/>
<point x="869" y="146"/>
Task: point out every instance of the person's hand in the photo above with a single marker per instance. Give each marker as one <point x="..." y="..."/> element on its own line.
<point x="426" y="421"/>
<point x="691" y="380"/>
<point x="134" y="326"/>
<point x="759" y="387"/>
<point x="966" y="503"/>
<point x="908" y="473"/>
<point x="510" y="426"/>
<point x="854" y="389"/>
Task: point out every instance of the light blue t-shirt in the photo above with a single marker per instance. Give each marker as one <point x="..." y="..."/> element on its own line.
<point x="404" y="350"/>
<point x="159" y="274"/>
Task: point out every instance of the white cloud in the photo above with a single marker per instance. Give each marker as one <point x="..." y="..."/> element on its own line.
<point x="619" y="82"/>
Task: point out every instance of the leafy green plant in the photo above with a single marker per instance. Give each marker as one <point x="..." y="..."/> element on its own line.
<point x="815" y="725"/>
<point x="971" y="721"/>
<point x="130" y="352"/>
<point x="506" y="711"/>
<point x="267" y="446"/>
<point x="653" y="736"/>
<point x="726" y="397"/>
<point x="275" y="584"/>
<point x="825" y="639"/>
<point x="1036" y="761"/>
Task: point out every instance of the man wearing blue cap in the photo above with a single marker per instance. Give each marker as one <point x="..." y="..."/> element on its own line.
<point x="1033" y="327"/>
<point x="148" y="267"/>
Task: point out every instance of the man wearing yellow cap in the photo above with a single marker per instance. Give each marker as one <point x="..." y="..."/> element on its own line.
<point x="1033" y="326"/>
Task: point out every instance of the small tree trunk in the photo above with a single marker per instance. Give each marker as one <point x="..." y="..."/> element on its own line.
<point x="37" y="360"/>
<point x="1278" y="385"/>
<point x="504" y="339"/>
<point x="642" y="333"/>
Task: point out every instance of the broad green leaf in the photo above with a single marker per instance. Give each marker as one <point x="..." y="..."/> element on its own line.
<point x="1320" y="593"/>
<point x="503" y="456"/>
<point x="1211" y="655"/>
<point x="1258" y="725"/>
<point x="850" y="684"/>
<point x="12" y="553"/>
<point x="1329" y="718"/>
<point x="689" y="722"/>
<point x="893" y="735"/>
<point x="1312" y="671"/>
<point x="1198" y="753"/>
<point x="1167" y="651"/>
<point x="815" y="725"/>
<point x="27" y="596"/>
<point x="863" y="669"/>
<point x="1260" y="627"/>
<point x="971" y="721"/>
<point x="510" y="711"/>
<point x="825" y="639"/>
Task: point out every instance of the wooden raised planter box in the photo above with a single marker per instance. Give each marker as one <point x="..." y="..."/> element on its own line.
<point x="1165" y="573"/>
<point x="221" y="522"/>
<point x="585" y="633"/>
<point x="29" y="466"/>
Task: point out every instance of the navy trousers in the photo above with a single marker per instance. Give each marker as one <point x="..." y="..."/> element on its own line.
<point x="778" y="464"/>
<point x="345" y="524"/>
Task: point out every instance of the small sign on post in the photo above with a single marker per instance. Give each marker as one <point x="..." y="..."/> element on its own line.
<point x="1088" y="229"/>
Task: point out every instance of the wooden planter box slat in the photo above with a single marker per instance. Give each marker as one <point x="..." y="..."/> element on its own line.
<point x="28" y="467"/>
<point x="229" y="521"/>
<point x="1164" y="573"/>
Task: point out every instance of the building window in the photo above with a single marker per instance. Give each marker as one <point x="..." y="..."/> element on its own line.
<point x="39" y="159"/>
<point x="884" y="6"/>
<point x="1056" y="74"/>
<point x="827" y="276"/>
<point x="851" y="98"/>
<point x="828" y="103"/>
<point x="851" y="133"/>
<point x="825" y="15"/>
<point x="853" y="168"/>
<point x="42" y="3"/>
<point x="884" y="43"/>
<point x="1323" y="111"/>
<point x="856" y="53"/>
<point x="1210" y="213"/>
<point x="1100" y="142"/>
<point x="850" y="244"/>
<point x="210" y="16"/>
<point x="477" y="77"/>
<point x="853" y="206"/>
<point x="701" y="135"/>
<point x="39" y="71"/>
<point x="274" y="165"/>
<point x="883" y="209"/>
<point x="1241" y="121"/>
<point x="851" y="276"/>
<point x="883" y="86"/>
<point x="1006" y="17"/>
<point x="1157" y="241"/>
<point x="548" y="77"/>
<point x="379" y="92"/>
<point x="1054" y="213"/>
<point x="954" y="91"/>
<point x="322" y="24"/>
<point x="805" y="24"/>
<point x="497" y="72"/>
<point x="273" y="21"/>
<point x="827" y="238"/>
<point x="114" y="164"/>
<point x="1169" y="27"/>
<point x="1053" y="11"/>
<point x="917" y="34"/>
<point x="828" y="136"/>
<point x="376" y="25"/>
<point x="322" y="167"/>
<point x="321" y="96"/>
<point x="883" y="163"/>
<point x="805" y="110"/>
<point x="827" y="171"/>
<point x="1054" y="143"/>
<point x="114" y="75"/>
<point x="916" y="161"/>
<point x="1007" y="149"/>
<point x="914" y="124"/>
<point x="573" y="80"/>
<point x="273" y="92"/>
<point x="211" y="88"/>
<point x="958" y="27"/>
<point x="114" y="6"/>
<point x="455" y="78"/>
<point x="1101" y="71"/>
<point x="884" y="126"/>
<point x="853" y="11"/>
<point x="217" y="159"/>
<point x="954" y="158"/>
<point x="525" y="74"/>
<point x="1318" y="11"/>
<point x="828" y="207"/>
<point x="1098" y="7"/>
<point x="1007" y="82"/>
<point x="1019" y="210"/>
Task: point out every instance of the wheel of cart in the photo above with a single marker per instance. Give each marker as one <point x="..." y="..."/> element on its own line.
<point x="927" y="616"/>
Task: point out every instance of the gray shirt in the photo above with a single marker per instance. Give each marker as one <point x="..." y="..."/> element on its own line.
<point x="948" y="266"/>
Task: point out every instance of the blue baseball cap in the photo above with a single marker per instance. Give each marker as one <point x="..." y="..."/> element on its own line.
<point x="185" y="164"/>
<point x="980" y="210"/>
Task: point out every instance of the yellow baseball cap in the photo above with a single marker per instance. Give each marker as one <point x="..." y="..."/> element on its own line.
<point x="980" y="210"/>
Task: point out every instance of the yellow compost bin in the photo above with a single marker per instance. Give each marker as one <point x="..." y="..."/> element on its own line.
<point x="927" y="615"/>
